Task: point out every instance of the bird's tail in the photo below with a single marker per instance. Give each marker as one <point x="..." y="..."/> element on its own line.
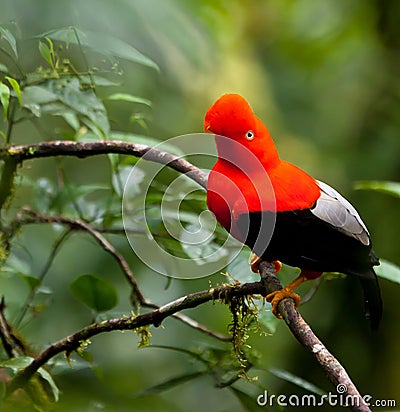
<point x="372" y="298"/>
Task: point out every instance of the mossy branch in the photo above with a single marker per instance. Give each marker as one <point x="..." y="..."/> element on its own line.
<point x="155" y="317"/>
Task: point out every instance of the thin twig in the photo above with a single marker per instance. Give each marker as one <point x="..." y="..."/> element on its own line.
<point x="45" y="269"/>
<point x="202" y="328"/>
<point x="27" y="216"/>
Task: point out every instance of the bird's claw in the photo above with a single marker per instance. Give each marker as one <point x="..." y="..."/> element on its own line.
<point x="275" y="297"/>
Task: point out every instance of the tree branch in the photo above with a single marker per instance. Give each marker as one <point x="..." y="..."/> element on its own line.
<point x="304" y="334"/>
<point x="85" y="149"/>
<point x="155" y="317"/>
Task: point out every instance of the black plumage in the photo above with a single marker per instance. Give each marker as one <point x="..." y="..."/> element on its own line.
<point x="315" y="240"/>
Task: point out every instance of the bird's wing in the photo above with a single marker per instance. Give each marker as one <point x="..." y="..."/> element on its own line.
<point x="333" y="208"/>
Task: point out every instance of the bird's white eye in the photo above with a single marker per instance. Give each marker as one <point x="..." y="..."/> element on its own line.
<point x="249" y="135"/>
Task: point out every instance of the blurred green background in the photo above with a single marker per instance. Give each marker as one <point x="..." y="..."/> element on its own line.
<point x="324" y="76"/>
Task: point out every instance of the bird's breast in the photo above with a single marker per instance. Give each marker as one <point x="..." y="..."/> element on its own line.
<point x="233" y="192"/>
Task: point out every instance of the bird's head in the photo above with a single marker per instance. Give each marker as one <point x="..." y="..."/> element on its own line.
<point x="232" y="117"/>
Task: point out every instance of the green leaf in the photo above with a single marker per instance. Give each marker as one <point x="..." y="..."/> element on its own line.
<point x="97" y="293"/>
<point x="126" y="97"/>
<point x="101" y="43"/>
<point x="67" y="35"/>
<point x="3" y="68"/>
<point x="10" y="39"/>
<point x="33" y="97"/>
<point x="38" y="95"/>
<point x="16" y="364"/>
<point x="296" y="380"/>
<point x="16" y="265"/>
<point x="47" y="52"/>
<point x="388" y="270"/>
<point x="58" y="96"/>
<point x="388" y="187"/>
<point x="117" y="48"/>
<point x="4" y="99"/>
<point x="84" y="102"/>
<point x="47" y="377"/>
<point x="16" y="88"/>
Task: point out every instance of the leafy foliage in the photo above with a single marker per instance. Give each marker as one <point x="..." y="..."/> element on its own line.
<point x="58" y="91"/>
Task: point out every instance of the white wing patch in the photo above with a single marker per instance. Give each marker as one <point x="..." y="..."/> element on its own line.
<point x="333" y="208"/>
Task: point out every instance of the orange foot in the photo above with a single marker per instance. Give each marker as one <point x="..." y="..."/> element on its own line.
<point x="275" y="297"/>
<point x="256" y="260"/>
<point x="287" y="292"/>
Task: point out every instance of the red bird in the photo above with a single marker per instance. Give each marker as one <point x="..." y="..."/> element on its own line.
<point x="281" y="212"/>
